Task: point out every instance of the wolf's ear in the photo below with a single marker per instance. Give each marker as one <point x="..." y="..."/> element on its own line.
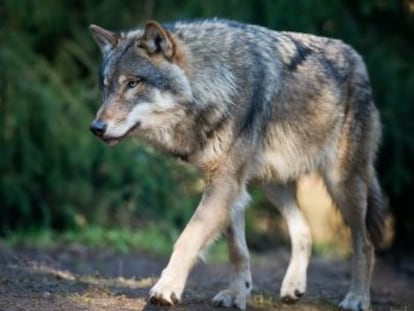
<point x="157" y="39"/>
<point x="106" y="40"/>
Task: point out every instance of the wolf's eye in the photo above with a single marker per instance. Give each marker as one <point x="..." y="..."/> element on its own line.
<point x="132" y="83"/>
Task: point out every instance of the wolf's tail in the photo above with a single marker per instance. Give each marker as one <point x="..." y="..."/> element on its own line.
<point x="376" y="213"/>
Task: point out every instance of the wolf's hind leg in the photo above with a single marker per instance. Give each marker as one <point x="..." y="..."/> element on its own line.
<point x="284" y="198"/>
<point x="350" y="195"/>
<point x="240" y="285"/>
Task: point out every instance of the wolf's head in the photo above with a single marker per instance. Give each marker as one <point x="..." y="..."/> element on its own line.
<point x="143" y="82"/>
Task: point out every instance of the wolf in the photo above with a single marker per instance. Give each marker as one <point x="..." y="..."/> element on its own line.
<point x="244" y="103"/>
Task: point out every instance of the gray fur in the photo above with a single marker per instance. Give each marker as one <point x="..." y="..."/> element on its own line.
<point x="244" y="103"/>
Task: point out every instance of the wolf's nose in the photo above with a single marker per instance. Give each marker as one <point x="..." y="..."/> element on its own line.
<point x="98" y="127"/>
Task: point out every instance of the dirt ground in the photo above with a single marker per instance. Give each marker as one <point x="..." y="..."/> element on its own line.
<point x="78" y="278"/>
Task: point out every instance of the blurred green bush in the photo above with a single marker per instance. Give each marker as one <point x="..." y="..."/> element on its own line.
<point x="54" y="174"/>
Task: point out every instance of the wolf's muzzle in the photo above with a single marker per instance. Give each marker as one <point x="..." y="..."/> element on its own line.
<point x="98" y="127"/>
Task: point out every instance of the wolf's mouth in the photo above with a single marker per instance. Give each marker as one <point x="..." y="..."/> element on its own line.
<point x="111" y="140"/>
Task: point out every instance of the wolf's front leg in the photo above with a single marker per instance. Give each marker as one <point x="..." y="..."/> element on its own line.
<point x="210" y="218"/>
<point x="240" y="285"/>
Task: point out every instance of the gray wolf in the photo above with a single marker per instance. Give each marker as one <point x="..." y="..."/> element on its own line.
<point x="244" y="104"/>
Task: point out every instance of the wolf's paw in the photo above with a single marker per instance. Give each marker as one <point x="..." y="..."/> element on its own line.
<point x="230" y="298"/>
<point x="355" y="302"/>
<point x="165" y="292"/>
<point x="293" y="287"/>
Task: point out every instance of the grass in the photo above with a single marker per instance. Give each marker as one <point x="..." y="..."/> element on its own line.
<point x="152" y="238"/>
<point x="149" y="238"/>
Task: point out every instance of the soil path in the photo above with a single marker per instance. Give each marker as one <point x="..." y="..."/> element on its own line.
<point x="77" y="278"/>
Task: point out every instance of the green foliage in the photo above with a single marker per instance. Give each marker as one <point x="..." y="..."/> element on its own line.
<point x="156" y="239"/>
<point x="55" y="174"/>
